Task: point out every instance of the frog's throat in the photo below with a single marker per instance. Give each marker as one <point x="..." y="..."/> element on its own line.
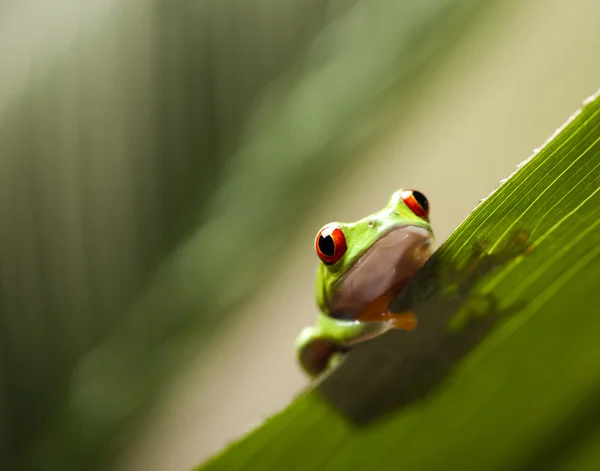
<point x="381" y="272"/>
<point x="375" y="309"/>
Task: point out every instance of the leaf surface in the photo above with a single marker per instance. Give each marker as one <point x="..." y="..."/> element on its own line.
<point x="502" y="372"/>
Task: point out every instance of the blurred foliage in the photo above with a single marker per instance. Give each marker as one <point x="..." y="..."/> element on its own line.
<point x="149" y="149"/>
<point x="523" y="395"/>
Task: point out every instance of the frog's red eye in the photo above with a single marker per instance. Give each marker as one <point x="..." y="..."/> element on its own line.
<point x="330" y="244"/>
<point x="417" y="202"/>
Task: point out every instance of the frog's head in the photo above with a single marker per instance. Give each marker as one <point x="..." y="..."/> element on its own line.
<point x="362" y="261"/>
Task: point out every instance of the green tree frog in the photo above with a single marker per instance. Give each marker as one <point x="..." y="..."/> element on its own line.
<point x="363" y="266"/>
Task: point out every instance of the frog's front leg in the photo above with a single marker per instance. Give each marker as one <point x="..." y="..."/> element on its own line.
<point x="322" y="346"/>
<point x="316" y="352"/>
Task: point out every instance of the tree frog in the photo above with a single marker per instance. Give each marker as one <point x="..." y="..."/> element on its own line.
<point x="363" y="266"/>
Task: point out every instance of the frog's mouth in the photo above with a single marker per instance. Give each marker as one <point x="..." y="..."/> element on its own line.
<point x="383" y="269"/>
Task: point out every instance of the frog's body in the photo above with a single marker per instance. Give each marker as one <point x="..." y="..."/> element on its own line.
<point x="364" y="265"/>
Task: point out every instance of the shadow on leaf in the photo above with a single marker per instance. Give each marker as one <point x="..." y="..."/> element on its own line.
<point x="400" y="368"/>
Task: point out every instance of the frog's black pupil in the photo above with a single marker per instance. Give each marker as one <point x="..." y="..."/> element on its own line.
<point x="327" y="246"/>
<point x="420" y="197"/>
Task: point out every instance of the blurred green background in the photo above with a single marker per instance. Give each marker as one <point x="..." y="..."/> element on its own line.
<point x="165" y="166"/>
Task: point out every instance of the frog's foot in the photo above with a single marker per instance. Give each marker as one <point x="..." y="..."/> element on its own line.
<point x="402" y="321"/>
<point x="378" y="312"/>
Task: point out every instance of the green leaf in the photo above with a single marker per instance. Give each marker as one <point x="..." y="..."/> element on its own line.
<point x="502" y="372"/>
